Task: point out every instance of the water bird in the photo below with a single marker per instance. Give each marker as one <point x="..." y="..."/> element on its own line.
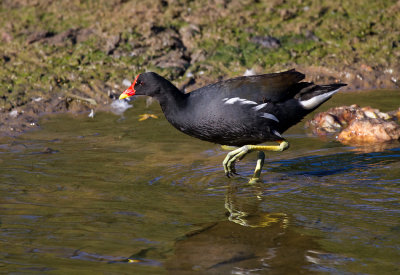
<point x="238" y="113"/>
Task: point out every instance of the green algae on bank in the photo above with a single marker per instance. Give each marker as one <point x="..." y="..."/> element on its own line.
<point x="87" y="48"/>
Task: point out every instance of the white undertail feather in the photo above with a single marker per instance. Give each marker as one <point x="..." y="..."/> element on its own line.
<point x="276" y="133"/>
<point x="316" y="100"/>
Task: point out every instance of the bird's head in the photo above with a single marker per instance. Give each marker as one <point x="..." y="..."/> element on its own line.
<point x="144" y="84"/>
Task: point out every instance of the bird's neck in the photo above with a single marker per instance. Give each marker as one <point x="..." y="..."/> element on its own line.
<point x="170" y="97"/>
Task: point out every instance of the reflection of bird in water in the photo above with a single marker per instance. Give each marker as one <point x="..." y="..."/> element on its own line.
<point x="237" y="113"/>
<point x="252" y="241"/>
<point x="246" y="211"/>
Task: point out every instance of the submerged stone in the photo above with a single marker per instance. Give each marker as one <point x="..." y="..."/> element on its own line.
<point x="356" y="125"/>
<point x="370" y="130"/>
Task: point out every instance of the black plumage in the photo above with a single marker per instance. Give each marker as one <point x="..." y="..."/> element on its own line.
<point x="239" y="111"/>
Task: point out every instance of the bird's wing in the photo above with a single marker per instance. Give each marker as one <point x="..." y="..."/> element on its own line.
<point x="273" y="87"/>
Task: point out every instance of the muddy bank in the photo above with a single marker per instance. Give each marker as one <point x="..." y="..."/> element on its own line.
<point x="58" y="56"/>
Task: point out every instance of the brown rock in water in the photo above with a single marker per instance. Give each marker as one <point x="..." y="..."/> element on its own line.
<point x="356" y="125"/>
<point x="334" y="120"/>
<point x="396" y="114"/>
<point x="324" y="123"/>
<point x="370" y="131"/>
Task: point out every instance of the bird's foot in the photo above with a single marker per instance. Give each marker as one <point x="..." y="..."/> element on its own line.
<point x="239" y="153"/>
<point x="232" y="157"/>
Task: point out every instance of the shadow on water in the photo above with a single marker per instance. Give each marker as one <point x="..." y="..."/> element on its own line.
<point x="338" y="163"/>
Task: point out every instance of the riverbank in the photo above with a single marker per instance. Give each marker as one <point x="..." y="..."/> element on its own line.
<point x="63" y="56"/>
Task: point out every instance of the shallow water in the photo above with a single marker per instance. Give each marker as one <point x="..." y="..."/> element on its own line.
<point x="114" y="195"/>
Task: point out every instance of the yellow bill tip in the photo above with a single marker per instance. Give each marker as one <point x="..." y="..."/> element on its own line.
<point x="123" y="95"/>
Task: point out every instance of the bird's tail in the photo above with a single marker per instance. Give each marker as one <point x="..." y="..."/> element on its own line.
<point x="312" y="96"/>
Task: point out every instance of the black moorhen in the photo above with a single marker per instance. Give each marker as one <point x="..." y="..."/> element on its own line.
<point x="242" y="111"/>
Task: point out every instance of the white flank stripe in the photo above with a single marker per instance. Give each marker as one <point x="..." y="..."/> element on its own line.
<point x="248" y="102"/>
<point x="232" y="100"/>
<point x="238" y="99"/>
<point x="269" y="116"/>
<point x="258" y="107"/>
<point x="316" y="100"/>
<point x="276" y="133"/>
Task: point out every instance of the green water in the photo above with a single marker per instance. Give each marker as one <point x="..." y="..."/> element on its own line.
<point x="112" y="195"/>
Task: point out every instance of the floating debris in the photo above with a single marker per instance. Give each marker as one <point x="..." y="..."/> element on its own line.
<point x="249" y="72"/>
<point x="118" y="107"/>
<point x="146" y="116"/>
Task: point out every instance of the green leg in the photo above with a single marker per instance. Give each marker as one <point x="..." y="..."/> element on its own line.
<point x="239" y="153"/>
<point x="257" y="172"/>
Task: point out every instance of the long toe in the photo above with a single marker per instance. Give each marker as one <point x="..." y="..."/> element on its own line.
<point x="231" y="158"/>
